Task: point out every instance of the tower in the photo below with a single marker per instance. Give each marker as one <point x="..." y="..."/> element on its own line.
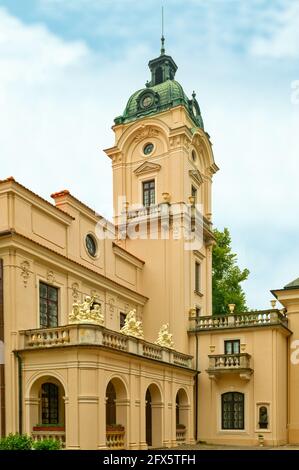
<point x="163" y="158"/>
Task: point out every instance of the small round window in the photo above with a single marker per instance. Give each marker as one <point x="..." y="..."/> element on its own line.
<point x="91" y="245"/>
<point x="148" y="148"/>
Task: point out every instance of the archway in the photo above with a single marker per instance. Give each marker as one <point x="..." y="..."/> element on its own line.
<point x="46" y="412"/>
<point x="181" y="415"/>
<point x="153" y="416"/>
<point x="117" y="404"/>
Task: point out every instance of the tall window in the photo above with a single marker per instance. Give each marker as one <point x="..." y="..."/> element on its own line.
<point x="232" y="405"/>
<point x="194" y="192"/>
<point x="50" y="402"/>
<point x="197" y="277"/>
<point x="148" y="189"/>
<point x="232" y="347"/>
<point x="122" y="319"/>
<point x="110" y="404"/>
<point x="48" y="305"/>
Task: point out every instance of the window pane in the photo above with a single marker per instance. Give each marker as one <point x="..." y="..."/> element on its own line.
<point x="43" y="290"/>
<point x="48" y="306"/>
<point x="233" y="410"/>
<point x="53" y="293"/>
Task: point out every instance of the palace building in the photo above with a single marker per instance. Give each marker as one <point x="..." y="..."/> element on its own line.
<point x="108" y="342"/>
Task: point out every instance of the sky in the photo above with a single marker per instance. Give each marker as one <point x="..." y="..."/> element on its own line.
<point x="68" y="67"/>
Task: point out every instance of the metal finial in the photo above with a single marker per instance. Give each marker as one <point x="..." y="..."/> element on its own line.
<point x="193" y="95"/>
<point x="162" y="37"/>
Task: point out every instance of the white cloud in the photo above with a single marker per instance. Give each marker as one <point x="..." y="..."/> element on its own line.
<point x="282" y="39"/>
<point x="58" y="100"/>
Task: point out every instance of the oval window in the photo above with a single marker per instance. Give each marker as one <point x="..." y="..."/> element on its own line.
<point x="148" y="148"/>
<point x="91" y="245"/>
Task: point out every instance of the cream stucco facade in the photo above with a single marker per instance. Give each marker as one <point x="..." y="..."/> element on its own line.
<point x="88" y="383"/>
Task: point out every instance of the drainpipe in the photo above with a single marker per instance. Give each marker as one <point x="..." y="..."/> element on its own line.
<point x="196" y="389"/>
<point x="20" y="387"/>
<point x="2" y="370"/>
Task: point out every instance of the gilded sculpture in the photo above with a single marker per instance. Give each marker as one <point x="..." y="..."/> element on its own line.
<point x="87" y="312"/>
<point x="132" y="326"/>
<point x="164" y="337"/>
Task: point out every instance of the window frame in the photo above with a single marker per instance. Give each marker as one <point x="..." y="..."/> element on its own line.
<point x="150" y="191"/>
<point x="122" y="315"/>
<point x="49" y="407"/>
<point x="48" y="300"/>
<point x="232" y="342"/>
<point x="234" y="394"/>
<point x="197" y="277"/>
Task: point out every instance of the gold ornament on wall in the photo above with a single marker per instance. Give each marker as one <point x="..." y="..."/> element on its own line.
<point x="132" y="326"/>
<point x="87" y="312"/>
<point x="164" y="337"/>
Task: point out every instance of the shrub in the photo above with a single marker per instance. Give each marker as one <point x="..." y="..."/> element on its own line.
<point x="47" y="444"/>
<point x="16" y="442"/>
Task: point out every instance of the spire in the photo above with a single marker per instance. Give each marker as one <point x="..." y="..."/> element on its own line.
<point x="162" y="37"/>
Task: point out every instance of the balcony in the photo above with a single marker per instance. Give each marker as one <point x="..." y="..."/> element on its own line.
<point x="230" y="363"/>
<point x="262" y="318"/>
<point x="94" y="335"/>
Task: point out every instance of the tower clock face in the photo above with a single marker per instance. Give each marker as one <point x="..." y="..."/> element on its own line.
<point x="147" y="101"/>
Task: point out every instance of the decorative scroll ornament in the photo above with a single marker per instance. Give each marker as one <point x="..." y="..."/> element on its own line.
<point x="164" y="337"/>
<point x="25" y="273"/>
<point x="146" y="131"/>
<point x="132" y="326"/>
<point x="87" y="312"/>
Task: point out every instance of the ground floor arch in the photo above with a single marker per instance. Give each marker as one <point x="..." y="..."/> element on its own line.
<point x="117" y="408"/>
<point x="45" y="403"/>
<point x="153" y="416"/>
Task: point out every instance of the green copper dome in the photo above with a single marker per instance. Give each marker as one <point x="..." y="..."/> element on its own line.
<point x="160" y="94"/>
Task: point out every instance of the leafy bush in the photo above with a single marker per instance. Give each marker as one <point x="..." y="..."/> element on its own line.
<point x="16" y="442"/>
<point x="47" y="444"/>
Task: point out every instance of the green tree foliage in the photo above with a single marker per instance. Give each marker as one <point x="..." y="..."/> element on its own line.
<point x="16" y="442"/>
<point x="227" y="276"/>
<point x="47" y="444"/>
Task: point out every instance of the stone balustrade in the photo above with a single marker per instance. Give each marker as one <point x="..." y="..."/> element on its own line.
<point x="229" y="363"/>
<point x="180" y="434"/>
<point x="239" y="320"/>
<point x="45" y="434"/>
<point x="115" y="439"/>
<point x="96" y="335"/>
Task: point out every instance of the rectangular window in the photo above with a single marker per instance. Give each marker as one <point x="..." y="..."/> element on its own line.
<point x="232" y="347"/>
<point x="194" y="192"/>
<point x="148" y="191"/>
<point x="232" y="407"/>
<point x="122" y="319"/>
<point x="197" y="277"/>
<point x="48" y="305"/>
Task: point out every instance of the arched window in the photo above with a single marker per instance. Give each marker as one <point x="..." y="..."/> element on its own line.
<point x="50" y="403"/>
<point x="232" y="406"/>
<point x="110" y="404"/>
<point x="158" y="76"/>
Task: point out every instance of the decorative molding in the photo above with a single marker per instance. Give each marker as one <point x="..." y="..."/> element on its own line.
<point x="51" y="277"/>
<point x="146" y="132"/>
<point x="147" y="167"/>
<point x="75" y="291"/>
<point x="25" y="273"/>
<point x="196" y="176"/>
